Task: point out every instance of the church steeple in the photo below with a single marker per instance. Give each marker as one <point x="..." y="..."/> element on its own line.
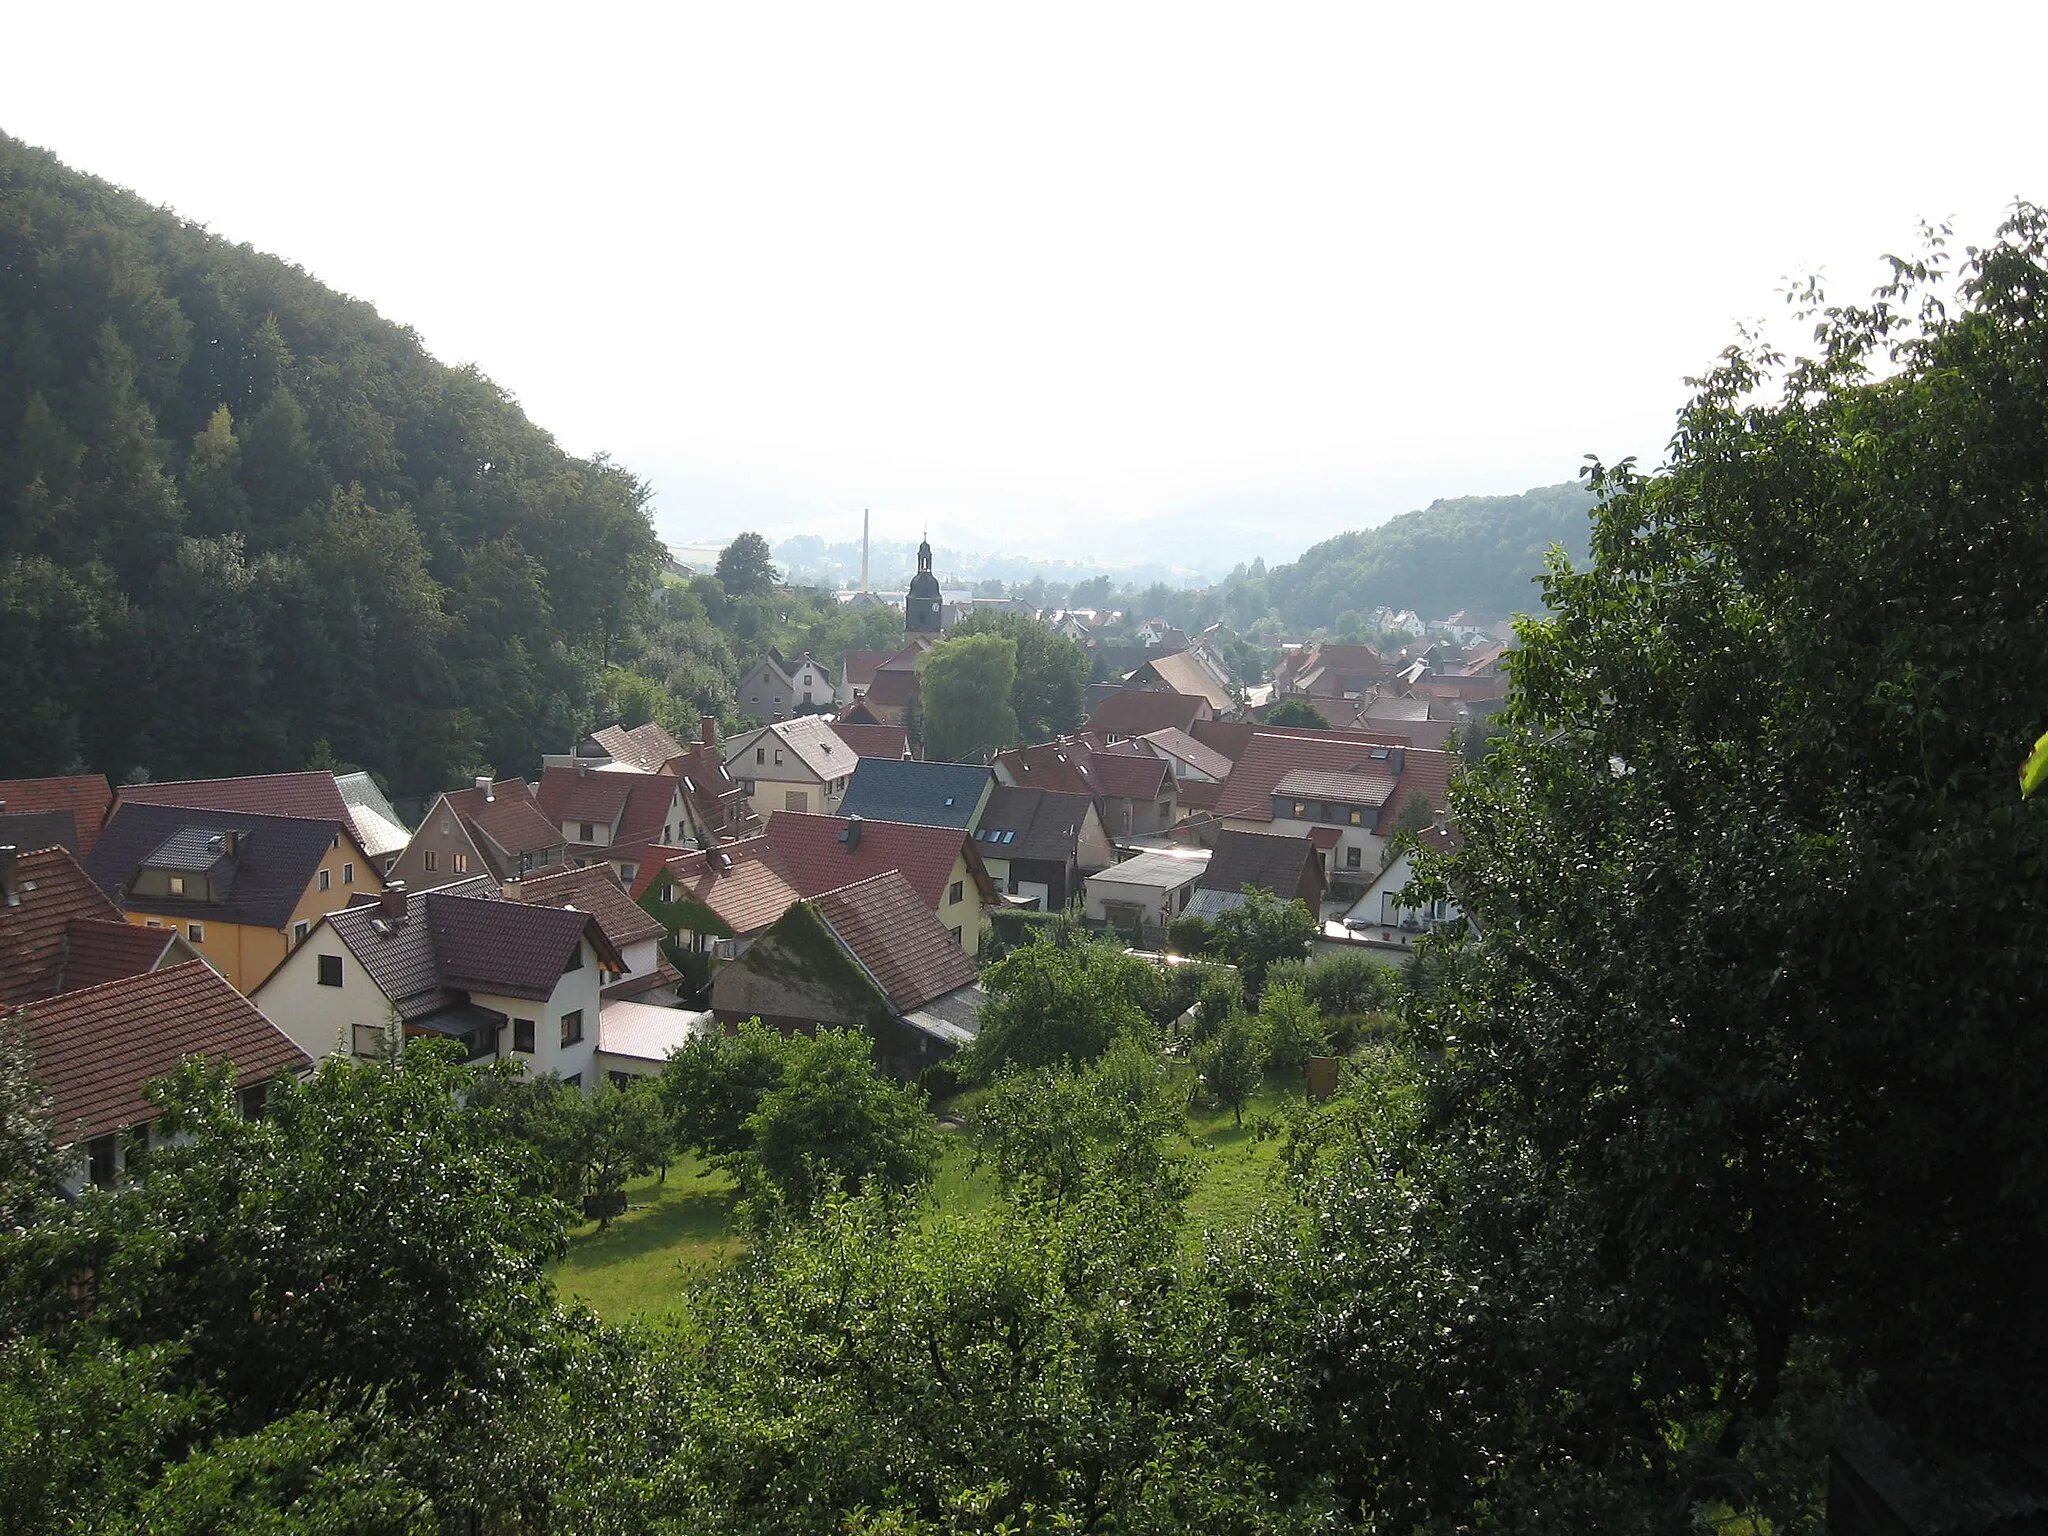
<point x="921" y="607"/>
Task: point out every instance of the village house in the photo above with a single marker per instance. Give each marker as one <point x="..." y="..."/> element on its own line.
<point x="600" y="814"/>
<point x="241" y="888"/>
<point x="1038" y="845"/>
<point x="96" y="1049"/>
<point x="858" y="669"/>
<point x="644" y="976"/>
<point x="1289" y="867"/>
<point x="775" y="686"/>
<point x="503" y="979"/>
<point x="716" y="901"/>
<point x="60" y="933"/>
<point x="1135" y="793"/>
<point x="1143" y="894"/>
<point x="495" y="829"/>
<point x="44" y="813"/>
<point x="1186" y="672"/>
<point x="316" y="793"/>
<point x="942" y="864"/>
<point x="1344" y="792"/>
<point x="1129" y="712"/>
<point x="791" y="765"/>
<point x="870" y="955"/>
<point x="1385" y="905"/>
<point x="1327" y="674"/>
<point x="636" y="1039"/>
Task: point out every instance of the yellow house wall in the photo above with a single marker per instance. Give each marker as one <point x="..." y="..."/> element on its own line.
<point x="246" y="954"/>
<point x="964" y="914"/>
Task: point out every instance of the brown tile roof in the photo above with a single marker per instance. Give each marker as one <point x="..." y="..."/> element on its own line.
<point x="1130" y="778"/>
<point x="84" y="795"/>
<point x="508" y="947"/>
<point x="1286" y="866"/>
<point x="1273" y="755"/>
<point x="595" y="890"/>
<point x="509" y="819"/>
<point x="635" y="805"/>
<point x="1347" y="788"/>
<point x="46" y="893"/>
<point x="859" y="667"/>
<point x="874" y="740"/>
<point x="96" y="1048"/>
<point x="39" y="829"/>
<point x="898" y="938"/>
<point x="312" y="794"/>
<point x="100" y="950"/>
<point x="1179" y="744"/>
<point x="891" y="689"/>
<point x="714" y="795"/>
<point x="1134" y="711"/>
<point x="646" y="747"/>
<point x="743" y="882"/>
<point x="817" y="860"/>
<point x="1199" y="794"/>
<point x="1041" y="824"/>
<point x="1227" y="738"/>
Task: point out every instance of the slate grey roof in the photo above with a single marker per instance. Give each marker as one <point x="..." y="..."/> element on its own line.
<point x="927" y="794"/>
<point x="39" y="829"/>
<point x="192" y="849"/>
<point x="274" y="859"/>
<point x="1266" y="859"/>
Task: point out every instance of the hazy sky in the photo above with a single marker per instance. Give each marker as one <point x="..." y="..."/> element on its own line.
<point x="1038" y="271"/>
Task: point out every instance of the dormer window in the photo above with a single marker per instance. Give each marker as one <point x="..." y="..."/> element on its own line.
<point x="177" y="885"/>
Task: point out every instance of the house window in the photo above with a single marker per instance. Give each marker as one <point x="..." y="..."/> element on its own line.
<point x="150" y="922"/>
<point x="522" y="1036"/>
<point x="574" y="1080"/>
<point x="628" y="871"/>
<point x="105" y="1161"/>
<point x="330" y="970"/>
<point x="1351" y="858"/>
<point x="196" y="932"/>
<point x="348" y="874"/>
<point x="433" y="861"/>
<point x="1358" y="818"/>
<point x="956" y="937"/>
<point x="668" y="892"/>
<point x="575" y="960"/>
<point x="795" y="800"/>
<point x="585" y="832"/>
<point x="572" y="1027"/>
<point x="299" y="932"/>
<point x="462" y="863"/>
<point x="326" y="879"/>
<point x="1301" y="810"/>
<point x="956" y="890"/>
<point x="746" y="786"/>
<point x="778" y="750"/>
<point x="177" y="885"/>
<point x="761" y="755"/>
<point x="251" y="1100"/>
<point x="367" y="1039"/>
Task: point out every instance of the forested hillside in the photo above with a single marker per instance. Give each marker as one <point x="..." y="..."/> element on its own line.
<point x="1477" y="553"/>
<point x="247" y="523"/>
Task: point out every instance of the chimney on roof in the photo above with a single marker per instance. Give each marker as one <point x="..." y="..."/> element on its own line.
<point x="707" y="730"/>
<point x="850" y="833"/>
<point x="9" y="896"/>
<point x="483" y="786"/>
<point x="391" y="901"/>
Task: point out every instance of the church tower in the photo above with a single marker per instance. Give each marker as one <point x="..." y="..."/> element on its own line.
<point x="921" y="608"/>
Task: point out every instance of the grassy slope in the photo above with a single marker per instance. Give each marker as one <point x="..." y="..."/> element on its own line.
<point x="675" y="1230"/>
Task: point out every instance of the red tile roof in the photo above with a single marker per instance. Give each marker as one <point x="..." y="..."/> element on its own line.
<point x="1272" y="756"/>
<point x="714" y="795"/>
<point x="84" y="795"/>
<point x="509" y="819"/>
<point x="743" y="882"/>
<point x="634" y="805"/>
<point x="1135" y="711"/>
<point x="817" y="860"/>
<point x="898" y="938"/>
<point x="101" y="951"/>
<point x="891" y="689"/>
<point x="46" y="893"/>
<point x="96" y="1048"/>
<point x="874" y="740"/>
<point x="314" y="795"/>
<point x="595" y="890"/>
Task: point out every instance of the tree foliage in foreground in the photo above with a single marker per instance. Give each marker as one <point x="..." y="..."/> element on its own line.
<point x="1763" y="923"/>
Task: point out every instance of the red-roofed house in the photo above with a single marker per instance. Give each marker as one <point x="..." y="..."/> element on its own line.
<point x="59" y="932"/>
<point x="97" y="1048"/>
<point x="1135" y="793"/>
<point x="869" y="955"/>
<point x="495" y="829"/>
<point x="84" y="797"/>
<point x="1136" y="711"/>
<point x="1345" y="793"/>
<point x="717" y="901"/>
<point x="822" y="853"/>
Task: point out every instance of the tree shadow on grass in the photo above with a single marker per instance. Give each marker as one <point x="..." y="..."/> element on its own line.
<point x="685" y="1213"/>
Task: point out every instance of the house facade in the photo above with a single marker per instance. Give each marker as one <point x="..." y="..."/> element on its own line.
<point x="791" y="765"/>
<point x="1039" y="846"/>
<point x="491" y="828"/>
<point x="1145" y="893"/>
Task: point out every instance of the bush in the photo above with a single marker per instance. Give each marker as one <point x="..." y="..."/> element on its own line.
<point x="1293" y="1028"/>
<point x="1190" y="935"/>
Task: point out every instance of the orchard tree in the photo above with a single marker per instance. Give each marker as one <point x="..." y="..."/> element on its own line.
<point x="1052" y="672"/>
<point x="1050" y="1004"/>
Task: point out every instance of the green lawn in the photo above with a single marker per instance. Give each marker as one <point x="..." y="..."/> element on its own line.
<point x="678" y="1229"/>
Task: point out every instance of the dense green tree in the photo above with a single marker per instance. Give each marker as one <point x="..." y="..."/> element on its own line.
<point x="1052" y="672"/>
<point x="1297" y="712"/>
<point x="713" y="1085"/>
<point x="1259" y="931"/>
<point x="1773" y="720"/>
<point x="1293" y="1027"/>
<point x="1050" y="1003"/>
<point x="1233" y="1062"/>
<point x="965" y="688"/>
<point x="834" y="1125"/>
<point x="745" y="567"/>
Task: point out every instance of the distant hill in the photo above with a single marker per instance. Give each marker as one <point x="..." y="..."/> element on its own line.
<point x="245" y="522"/>
<point x="1476" y="553"/>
